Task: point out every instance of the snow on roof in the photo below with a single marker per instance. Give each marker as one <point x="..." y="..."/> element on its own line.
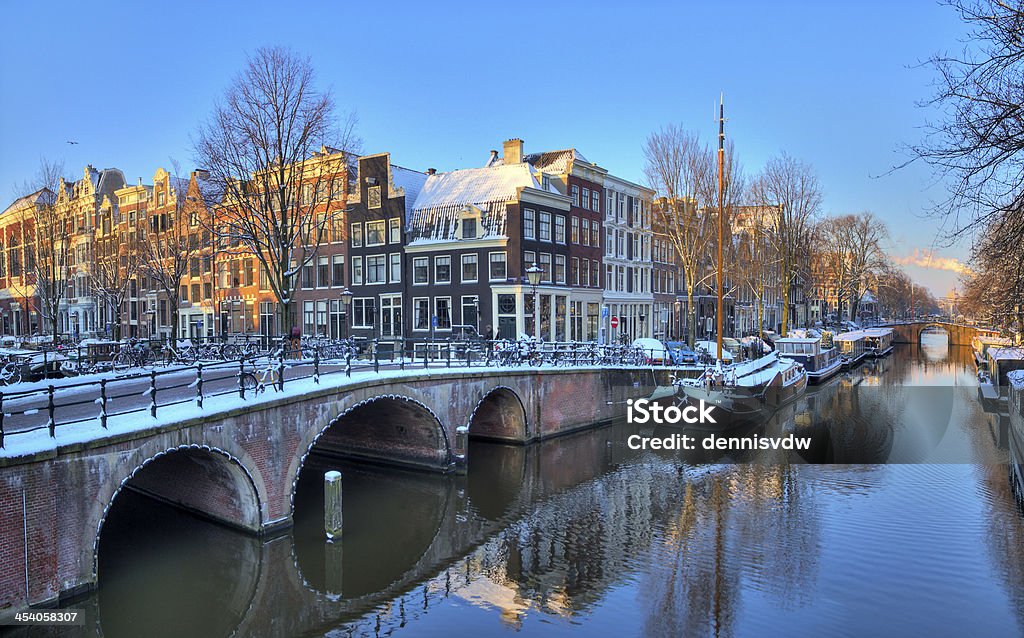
<point x="1016" y="378"/>
<point x="411" y="182"/>
<point x="876" y="332"/>
<point x="1006" y="354"/>
<point x="555" y="161"/>
<point x="445" y="196"/>
<point x="40" y="196"/>
<point x="797" y="340"/>
<point x="853" y="335"/>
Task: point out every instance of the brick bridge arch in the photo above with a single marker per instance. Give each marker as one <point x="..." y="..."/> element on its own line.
<point x="207" y="481"/>
<point x="958" y="334"/>
<point x="499" y="415"/>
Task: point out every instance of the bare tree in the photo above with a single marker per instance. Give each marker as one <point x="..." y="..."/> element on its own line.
<point x="677" y="165"/>
<point x="281" y="164"/>
<point x="115" y="266"/>
<point x="756" y="263"/>
<point x="791" y="187"/>
<point x="851" y="254"/>
<point x="47" y="245"/>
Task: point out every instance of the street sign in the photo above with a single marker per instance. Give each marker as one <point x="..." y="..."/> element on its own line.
<point x="615" y="322"/>
<point x="433" y="321"/>
<point x="604" y="311"/>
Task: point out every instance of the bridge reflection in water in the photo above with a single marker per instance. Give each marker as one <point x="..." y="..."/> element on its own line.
<point x="572" y="528"/>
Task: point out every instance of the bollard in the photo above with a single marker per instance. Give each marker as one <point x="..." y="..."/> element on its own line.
<point x="376" y="357"/>
<point x="332" y="504"/>
<point x="461" y="441"/>
<point x="103" y="403"/>
<point x="316" y="365"/>
<point x="152" y="394"/>
<point x="334" y="574"/>
<point x="51" y="424"/>
<point x="241" y="379"/>
<point x="199" y="385"/>
<point x="280" y="372"/>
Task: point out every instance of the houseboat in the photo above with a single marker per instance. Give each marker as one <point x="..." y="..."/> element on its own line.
<point x="820" y="363"/>
<point x="852" y="348"/>
<point x="747" y="391"/>
<point x="1002" y="361"/>
<point x="982" y="343"/>
<point x="878" y="341"/>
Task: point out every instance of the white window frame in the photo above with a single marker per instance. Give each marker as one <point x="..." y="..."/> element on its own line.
<point x="462" y="268"/>
<point x="383" y="233"/>
<point x="420" y="260"/>
<point x="490" y="270"/>
<point x="439" y="257"/>
<point x="357" y="271"/>
<point x="395" y="268"/>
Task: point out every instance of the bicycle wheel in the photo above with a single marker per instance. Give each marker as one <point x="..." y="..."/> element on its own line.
<point x="230" y="352"/>
<point x="249" y="381"/>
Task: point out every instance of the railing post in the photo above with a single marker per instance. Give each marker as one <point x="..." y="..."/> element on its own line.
<point x="152" y="393"/>
<point x="316" y="364"/>
<point x="401" y="354"/>
<point x="51" y="424"/>
<point x="489" y="346"/>
<point x="1" y="420"/>
<point x="103" y="403"/>
<point x="426" y="348"/>
<point x="241" y="379"/>
<point x="448" y="352"/>
<point x="376" y="356"/>
<point x="199" y="385"/>
<point x="348" y="363"/>
<point x="280" y="371"/>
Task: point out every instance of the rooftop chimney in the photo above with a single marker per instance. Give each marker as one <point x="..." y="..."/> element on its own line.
<point x="514" y="151"/>
<point x="431" y="171"/>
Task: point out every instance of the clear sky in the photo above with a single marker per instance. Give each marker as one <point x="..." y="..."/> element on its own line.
<point x="440" y="84"/>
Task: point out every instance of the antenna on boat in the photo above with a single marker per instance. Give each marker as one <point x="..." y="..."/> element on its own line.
<point x="721" y="212"/>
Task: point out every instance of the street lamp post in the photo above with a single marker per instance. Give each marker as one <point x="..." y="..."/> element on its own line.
<point x="533" y="274"/>
<point x="346" y="303"/>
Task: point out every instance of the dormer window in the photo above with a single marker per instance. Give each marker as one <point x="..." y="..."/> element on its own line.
<point x="469" y="228"/>
<point x="469" y="223"/>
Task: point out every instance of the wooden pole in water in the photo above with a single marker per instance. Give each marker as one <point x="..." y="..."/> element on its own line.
<point x="332" y="504"/>
<point x="461" y="445"/>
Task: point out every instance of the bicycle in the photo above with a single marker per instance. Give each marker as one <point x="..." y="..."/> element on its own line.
<point x="133" y="355"/>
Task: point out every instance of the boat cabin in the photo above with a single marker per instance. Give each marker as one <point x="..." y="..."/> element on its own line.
<point x="1002" y="361"/>
<point x="817" y="361"/>
<point x="852" y="346"/>
<point x="878" y="341"/>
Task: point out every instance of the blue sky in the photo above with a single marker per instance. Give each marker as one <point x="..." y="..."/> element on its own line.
<point x="440" y="84"/>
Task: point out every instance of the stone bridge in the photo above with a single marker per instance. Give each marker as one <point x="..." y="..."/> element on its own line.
<point x="239" y="464"/>
<point x="959" y="334"/>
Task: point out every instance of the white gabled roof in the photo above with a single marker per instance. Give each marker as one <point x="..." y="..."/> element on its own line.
<point x="475" y="186"/>
<point x="411" y="182"/>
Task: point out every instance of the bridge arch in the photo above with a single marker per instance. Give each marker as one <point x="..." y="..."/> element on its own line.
<point x="205" y="480"/>
<point x="499" y="415"/>
<point x="390" y="428"/>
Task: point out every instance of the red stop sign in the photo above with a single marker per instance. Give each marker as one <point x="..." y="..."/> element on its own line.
<point x="615" y="322"/>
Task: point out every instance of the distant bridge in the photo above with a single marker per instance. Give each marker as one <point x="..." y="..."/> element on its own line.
<point x="959" y="334"/>
<point x="238" y="462"/>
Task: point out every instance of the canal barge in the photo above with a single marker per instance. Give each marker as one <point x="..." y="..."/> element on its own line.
<point x="852" y="348"/>
<point x="747" y="391"/>
<point x="820" y="363"/>
<point x="981" y="344"/>
<point x="878" y="341"/>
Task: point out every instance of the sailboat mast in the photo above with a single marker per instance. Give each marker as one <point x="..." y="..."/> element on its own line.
<point x="721" y="214"/>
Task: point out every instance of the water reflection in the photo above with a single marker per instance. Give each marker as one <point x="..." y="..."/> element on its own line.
<point x="583" y="534"/>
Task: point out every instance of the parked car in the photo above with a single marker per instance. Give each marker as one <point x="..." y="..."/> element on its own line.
<point x="680" y="353"/>
<point x="711" y="347"/>
<point x="29" y="365"/>
<point x="655" y="352"/>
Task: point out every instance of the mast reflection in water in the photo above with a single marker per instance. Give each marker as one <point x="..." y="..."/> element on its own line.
<point x="581" y="534"/>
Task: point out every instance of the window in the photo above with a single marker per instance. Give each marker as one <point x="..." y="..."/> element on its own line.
<point x="357" y="271"/>
<point x="208" y="263"/>
<point x="574" y="230"/>
<point x="586" y="232"/>
<point x="183" y="294"/>
<point x="469" y="228"/>
<point x="545" y="264"/>
<point x="420" y="267"/>
<point x="375" y="233"/>
<point x="421" y="313"/>
<point x="529" y="259"/>
<point x="498" y="267"/>
<point x="357" y="235"/>
<point x="307" y="318"/>
<point x="609" y="208"/>
<point x="362" y="312"/>
<point x="373" y="196"/>
<point x="585" y="272"/>
<point x="442" y="270"/>
<point x="560" y="229"/>
<point x="195" y="293"/>
<point x="443" y="312"/>
<point x="338" y="270"/>
<point x="247" y="278"/>
<point x="395" y="264"/>
<point x="469" y="268"/>
<point x="193" y="267"/>
<point x="307" y="275"/>
<point x="595" y="273"/>
<point x="560" y="269"/>
<point x="545" y="227"/>
<point x="207" y="291"/>
<point x="529" y="224"/>
<point x="395" y="230"/>
<point x="575" y="190"/>
<point x="595" y="201"/>
<point x="574" y="271"/>
<point x="595" y="234"/>
<point x="375" y="273"/>
<point x="470" y="311"/>
<point x="321" y="317"/>
<point x="586" y="198"/>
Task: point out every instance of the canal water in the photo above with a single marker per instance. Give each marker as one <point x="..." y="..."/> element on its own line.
<point x="899" y="521"/>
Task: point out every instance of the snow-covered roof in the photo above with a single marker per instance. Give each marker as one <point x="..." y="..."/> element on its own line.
<point x="555" y="161"/>
<point x="876" y="332"/>
<point x="411" y="182"/>
<point x="1006" y="354"/>
<point x="41" y="196"/>
<point x="853" y="335"/>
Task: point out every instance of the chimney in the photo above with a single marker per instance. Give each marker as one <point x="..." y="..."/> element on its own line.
<point x="514" y="151"/>
<point x="494" y="157"/>
<point x="431" y="171"/>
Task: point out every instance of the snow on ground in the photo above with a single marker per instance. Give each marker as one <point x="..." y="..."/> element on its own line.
<point x="22" y="444"/>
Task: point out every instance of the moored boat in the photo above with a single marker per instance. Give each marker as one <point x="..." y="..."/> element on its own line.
<point x="820" y="363"/>
<point x="878" y="341"/>
<point x="746" y="391"/>
<point x="852" y="348"/>
<point x="982" y="343"/>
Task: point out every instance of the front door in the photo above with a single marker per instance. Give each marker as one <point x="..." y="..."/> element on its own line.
<point x="391" y="317"/>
